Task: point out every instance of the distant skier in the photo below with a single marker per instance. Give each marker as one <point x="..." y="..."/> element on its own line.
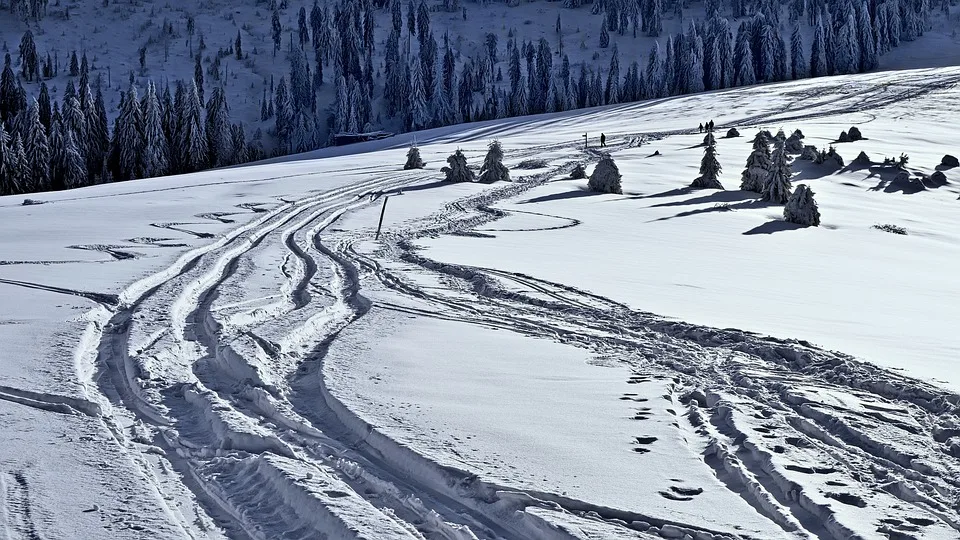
<point x="701" y="128"/>
<point x="603" y="140"/>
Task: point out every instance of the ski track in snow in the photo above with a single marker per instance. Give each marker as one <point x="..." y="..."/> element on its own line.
<point x="228" y="390"/>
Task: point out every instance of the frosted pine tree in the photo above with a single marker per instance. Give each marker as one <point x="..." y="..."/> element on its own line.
<point x="156" y="159"/>
<point x="413" y="159"/>
<point x="818" y="51"/>
<point x="19" y="168"/>
<point x="654" y="79"/>
<point x="7" y="187"/>
<point x="128" y="138"/>
<point x="801" y="208"/>
<point x="219" y="139"/>
<point x="744" y="74"/>
<point x="193" y="144"/>
<point x="709" y="170"/>
<point x="419" y="113"/>
<point x="767" y="50"/>
<point x="758" y="165"/>
<point x="74" y="166"/>
<point x="606" y="177"/>
<point x="798" y="64"/>
<point x="493" y="169"/>
<point x="867" y="43"/>
<point x="777" y="186"/>
<point x="37" y="150"/>
<point x="847" y="58"/>
<point x="57" y="146"/>
<point x="457" y="171"/>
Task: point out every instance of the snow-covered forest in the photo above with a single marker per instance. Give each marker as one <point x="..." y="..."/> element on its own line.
<point x="207" y="87"/>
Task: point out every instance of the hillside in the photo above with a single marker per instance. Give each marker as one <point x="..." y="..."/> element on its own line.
<point x="236" y="354"/>
<point x="158" y="42"/>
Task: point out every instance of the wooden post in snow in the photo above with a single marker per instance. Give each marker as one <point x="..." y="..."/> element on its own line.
<point x="382" y="212"/>
<point x="584" y="141"/>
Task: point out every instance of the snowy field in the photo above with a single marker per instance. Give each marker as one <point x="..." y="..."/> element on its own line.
<point x="234" y="354"/>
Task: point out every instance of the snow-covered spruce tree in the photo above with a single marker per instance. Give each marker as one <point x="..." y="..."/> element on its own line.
<point x="74" y="166"/>
<point x="777" y="186"/>
<point x="709" y="170"/>
<point x="413" y="159"/>
<point x="798" y="63"/>
<point x="156" y="160"/>
<point x="193" y="141"/>
<point x="709" y="139"/>
<point x="794" y="143"/>
<point x="219" y="140"/>
<point x="458" y="170"/>
<point x="578" y="172"/>
<point x="37" y="150"/>
<point x="127" y="137"/>
<point x="493" y="169"/>
<point x="758" y="165"/>
<point x="801" y="208"/>
<point x="605" y="177"/>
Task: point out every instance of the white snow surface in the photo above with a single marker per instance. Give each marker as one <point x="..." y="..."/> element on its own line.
<point x="236" y="354"/>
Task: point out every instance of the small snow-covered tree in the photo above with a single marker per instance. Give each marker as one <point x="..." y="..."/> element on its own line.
<point x="493" y="169"/>
<point x="794" y="143"/>
<point x="578" y="172"/>
<point x="709" y="170"/>
<point x="413" y="159"/>
<point x="758" y="165"/>
<point x="709" y="139"/>
<point x="606" y="177"/>
<point x="777" y="186"/>
<point x="458" y="170"/>
<point x="801" y="208"/>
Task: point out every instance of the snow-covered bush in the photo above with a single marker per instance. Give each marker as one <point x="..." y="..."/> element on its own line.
<point x="493" y="169"/>
<point x="862" y="159"/>
<point x="578" y="172"/>
<point x="938" y="178"/>
<point x="532" y="164"/>
<point x="794" y="142"/>
<point x="780" y="136"/>
<point x="887" y="227"/>
<point x="458" y="170"/>
<point x="801" y="208"/>
<point x="777" y="186"/>
<point x="413" y="159"/>
<point x="732" y="133"/>
<point x="950" y="161"/>
<point x="830" y="158"/>
<point x="809" y="153"/>
<point x="709" y="170"/>
<point x="758" y="165"/>
<point x="854" y="134"/>
<point x="605" y="177"/>
<point x="844" y="137"/>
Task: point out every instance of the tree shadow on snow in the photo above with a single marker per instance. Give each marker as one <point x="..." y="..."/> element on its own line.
<point x="419" y="187"/>
<point x="890" y="181"/>
<point x="670" y="193"/>
<point x="575" y="194"/>
<point x="774" y="226"/>
<point x="715" y="197"/>
<point x="722" y="207"/>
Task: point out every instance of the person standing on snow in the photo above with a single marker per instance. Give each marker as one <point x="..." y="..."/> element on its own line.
<point x="603" y="140"/>
<point x="701" y="128"/>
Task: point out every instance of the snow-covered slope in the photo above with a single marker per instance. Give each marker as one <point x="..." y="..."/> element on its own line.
<point x="234" y="354"/>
